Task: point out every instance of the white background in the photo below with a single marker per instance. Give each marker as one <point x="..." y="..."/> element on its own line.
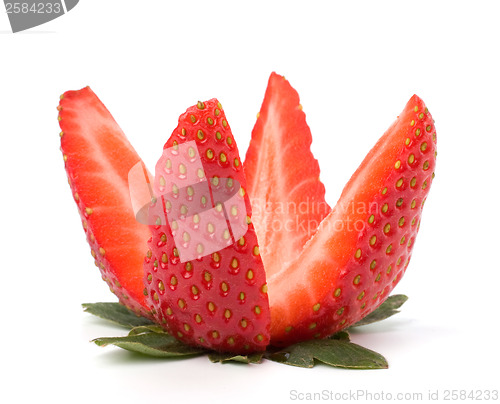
<point x="355" y="64"/>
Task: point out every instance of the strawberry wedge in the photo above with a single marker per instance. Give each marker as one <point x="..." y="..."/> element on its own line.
<point x="362" y="248"/>
<point x="203" y="272"/>
<point x="98" y="158"/>
<point x="288" y="199"/>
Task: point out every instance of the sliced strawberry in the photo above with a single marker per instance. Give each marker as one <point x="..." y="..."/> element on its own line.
<point x="203" y="272"/>
<point x="288" y="199"/>
<point x="362" y="248"/>
<point x="98" y="158"/>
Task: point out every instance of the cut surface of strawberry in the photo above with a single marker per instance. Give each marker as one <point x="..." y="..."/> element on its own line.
<point x="288" y="199"/>
<point x="363" y="247"/>
<point x="98" y="158"/>
<point x="203" y="271"/>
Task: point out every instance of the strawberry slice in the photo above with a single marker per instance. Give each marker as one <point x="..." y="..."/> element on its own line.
<point x="288" y="199"/>
<point x="363" y="247"/>
<point x="203" y="272"/>
<point x="98" y="158"/>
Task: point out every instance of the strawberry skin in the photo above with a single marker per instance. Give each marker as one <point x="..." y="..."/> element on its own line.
<point x="97" y="159"/>
<point x="288" y="199"/>
<point x="363" y="247"/>
<point x="204" y="295"/>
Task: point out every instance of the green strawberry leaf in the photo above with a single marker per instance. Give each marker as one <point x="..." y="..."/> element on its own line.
<point x="215" y="357"/>
<point x="149" y="342"/>
<point x="144" y="329"/>
<point x="151" y="339"/>
<point x="332" y="352"/>
<point x="116" y="313"/>
<point x="341" y="335"/>
<point x="385" y="310"/>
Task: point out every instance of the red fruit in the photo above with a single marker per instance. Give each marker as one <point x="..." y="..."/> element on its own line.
<point x="98" y="158"/>
<point x="288" y="199"/>
<point x="203" y="272"/>
<point x="362" y="248"/>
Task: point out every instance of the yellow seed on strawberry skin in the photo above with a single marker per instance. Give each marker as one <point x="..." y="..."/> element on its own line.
<point x="316" y="307"/>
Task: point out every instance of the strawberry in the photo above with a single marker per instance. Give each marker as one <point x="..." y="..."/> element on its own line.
<point x="288" y="199"/>
<point x="203" y="272"/>
<point x="362" y="248"/>
<point x="98" y="158"/>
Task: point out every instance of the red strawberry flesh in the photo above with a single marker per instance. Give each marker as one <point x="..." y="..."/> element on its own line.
<point x="205" y="279"/>
<point x="98" y="158"/>
<point x="283" y="177"/>
<point x="362" y="248"/>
